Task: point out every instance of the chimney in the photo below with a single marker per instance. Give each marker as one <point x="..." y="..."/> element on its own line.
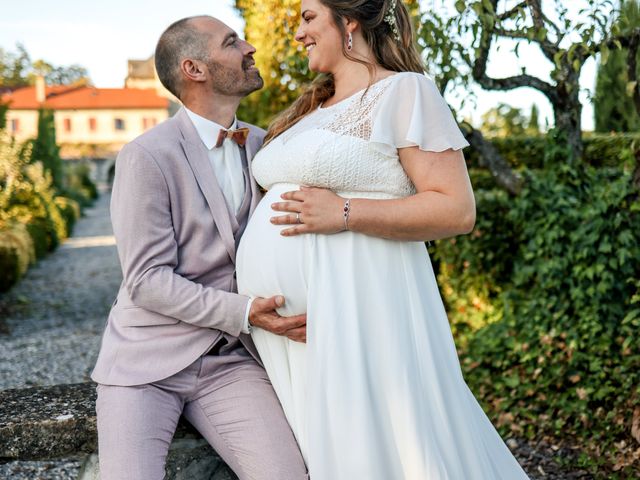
<point x="40" y="89"/>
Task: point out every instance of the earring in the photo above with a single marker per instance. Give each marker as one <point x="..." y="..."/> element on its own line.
<point x="349" y="42"/>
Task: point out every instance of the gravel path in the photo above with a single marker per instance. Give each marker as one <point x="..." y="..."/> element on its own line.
<point x="56" y="314"/>
<point x="51" y="322"/>
<point x="50" y="327"/>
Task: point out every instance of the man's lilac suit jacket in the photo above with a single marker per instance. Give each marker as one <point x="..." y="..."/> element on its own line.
<point x="177" y="251"/>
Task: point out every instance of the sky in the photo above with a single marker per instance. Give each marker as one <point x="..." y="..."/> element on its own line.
<point x="102" y="36"/>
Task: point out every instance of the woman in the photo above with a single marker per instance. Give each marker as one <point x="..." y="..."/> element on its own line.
<point x="377" y="391"/>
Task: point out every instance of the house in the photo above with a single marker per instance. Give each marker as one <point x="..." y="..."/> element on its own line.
<point x="89" y="121"/>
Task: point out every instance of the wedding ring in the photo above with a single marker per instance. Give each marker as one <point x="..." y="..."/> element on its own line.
<point x="298" y="218"/>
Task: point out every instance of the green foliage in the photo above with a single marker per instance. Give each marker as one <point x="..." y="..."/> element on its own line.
<point x="16" y="254"/>
<point x="14" y="67"/>
<point x="29" y="207"/>
<point x="33" y="205"/>
<point x="529" y="151"/>
<point x="70" y="212"/>
<point x="18" y="70"/>
<point x="78" y="184"/>
<point x="270" y="26"/>
<point x="507" y="121"/>
<point x="4" y="108"/>
<point x="546" y="305"/>
<point x="461" y="37"/>
<point x="44" y="148"/>
<point x="613" y="108"/>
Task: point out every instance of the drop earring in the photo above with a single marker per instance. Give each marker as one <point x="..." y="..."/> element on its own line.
<point x="349" y="42"/>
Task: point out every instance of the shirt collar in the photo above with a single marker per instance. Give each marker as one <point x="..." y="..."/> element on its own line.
<point x="208" y="130"/>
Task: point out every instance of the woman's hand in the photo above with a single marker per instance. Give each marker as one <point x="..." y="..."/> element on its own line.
<point x="310" y="210"/>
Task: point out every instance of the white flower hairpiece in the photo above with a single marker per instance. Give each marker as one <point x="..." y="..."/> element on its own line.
<point x="390" y="18"/>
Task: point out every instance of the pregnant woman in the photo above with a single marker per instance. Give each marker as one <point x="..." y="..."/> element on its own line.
<point x="377" y="392"/>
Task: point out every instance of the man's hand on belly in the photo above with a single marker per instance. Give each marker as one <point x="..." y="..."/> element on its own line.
<point x="263" y="315"/>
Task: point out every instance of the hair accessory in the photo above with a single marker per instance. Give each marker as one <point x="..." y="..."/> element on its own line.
<point x="349" y="42"/>
<point x="390" y="19"/>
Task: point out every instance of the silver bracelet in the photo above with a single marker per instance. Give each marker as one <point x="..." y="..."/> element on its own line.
<point x="345" y="213"/>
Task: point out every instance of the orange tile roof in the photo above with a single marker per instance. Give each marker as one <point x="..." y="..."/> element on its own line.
<point x="60" y="97"/>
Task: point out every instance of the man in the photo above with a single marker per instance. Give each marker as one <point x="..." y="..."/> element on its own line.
<point x="176" y="340"/>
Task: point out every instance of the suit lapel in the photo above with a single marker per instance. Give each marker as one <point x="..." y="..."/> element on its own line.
<point x="251" y="148"/>
<point x="196" y="154"/>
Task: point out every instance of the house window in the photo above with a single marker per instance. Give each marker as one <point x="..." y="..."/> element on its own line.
<point x="148" y="123"/>
<point x="67" y="124"/>
<point x="15" y="125"/>
<point x="92" y="124"/>
<point x="119" y="124"/>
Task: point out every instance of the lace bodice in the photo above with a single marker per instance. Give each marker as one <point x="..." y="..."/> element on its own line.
<point x="352" y="146"/>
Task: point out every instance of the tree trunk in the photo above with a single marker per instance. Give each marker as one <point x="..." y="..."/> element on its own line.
<point x="567" y="111"/>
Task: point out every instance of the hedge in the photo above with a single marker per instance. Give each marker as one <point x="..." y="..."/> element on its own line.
<point x="544" y="300"/>
<point x="16" y="254"/>
<point x="30" y="206"/>
<point x="600" y="150"/>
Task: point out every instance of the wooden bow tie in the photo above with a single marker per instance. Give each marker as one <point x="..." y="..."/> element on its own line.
<point x="239" y="136"/>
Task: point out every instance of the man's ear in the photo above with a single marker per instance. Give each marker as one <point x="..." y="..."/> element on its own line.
<point x="193" y="70"/>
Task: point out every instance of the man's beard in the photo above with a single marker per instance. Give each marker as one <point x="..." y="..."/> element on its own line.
<point x="234" y="82"/>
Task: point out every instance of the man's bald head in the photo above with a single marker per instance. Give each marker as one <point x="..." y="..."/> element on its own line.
<point x="182" y="39"/>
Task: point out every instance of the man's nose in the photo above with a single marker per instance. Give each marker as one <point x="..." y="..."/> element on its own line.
<point x="249" y="49"/>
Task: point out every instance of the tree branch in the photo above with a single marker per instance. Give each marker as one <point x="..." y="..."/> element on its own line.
<point x="539" y="19"/>
<point x="490" y="158"/>
<point x="510" y="13"/>
<point x="623" y="41"/>
<point x="479" y="69"/>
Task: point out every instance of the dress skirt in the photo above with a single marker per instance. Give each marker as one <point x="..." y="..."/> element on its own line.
<point x="377" y="392"/>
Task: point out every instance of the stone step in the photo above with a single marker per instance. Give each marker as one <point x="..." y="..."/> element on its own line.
<point x="46" y="423"/>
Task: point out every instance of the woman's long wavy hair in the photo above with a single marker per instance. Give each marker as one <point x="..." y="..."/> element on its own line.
<point x="391" y="53"/>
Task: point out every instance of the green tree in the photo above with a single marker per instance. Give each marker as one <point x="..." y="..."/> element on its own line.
<point x="504" y="121"/>
<point x="270" y="26"/>
<point x="533" y="128"/>
<point x="460" y="45"/>
<point x="44" y="148"/>
<point x="3" y="115"/>
<point x="69" y="75"/>
<point x="14" y="67"/>
<point x="611" y="112"/>
<point x="18" y="70"/>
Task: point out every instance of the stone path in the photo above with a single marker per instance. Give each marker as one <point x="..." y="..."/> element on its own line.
<point x="50" y="327"/>
<point x="51" y="322"/>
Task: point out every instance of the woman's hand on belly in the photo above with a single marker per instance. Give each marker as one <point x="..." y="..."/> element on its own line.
<point x="310" y="210"/>
<point x="263" y="315"/>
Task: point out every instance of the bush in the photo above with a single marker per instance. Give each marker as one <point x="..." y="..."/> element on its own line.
<point x="28" y="198"/>
<point x="70" y="211"/>
<point x="529" y="151"/>
<point x="78" y="185"/>
<point x="16" y="254"/>
<point x="545" y="298"/>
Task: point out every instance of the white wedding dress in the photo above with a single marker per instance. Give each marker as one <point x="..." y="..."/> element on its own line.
<point x="377" y="392"/>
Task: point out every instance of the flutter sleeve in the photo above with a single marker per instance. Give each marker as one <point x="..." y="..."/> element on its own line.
<point x="413" y="113"/>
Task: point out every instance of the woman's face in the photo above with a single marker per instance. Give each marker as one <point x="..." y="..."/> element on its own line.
<point x="320" y="36"/>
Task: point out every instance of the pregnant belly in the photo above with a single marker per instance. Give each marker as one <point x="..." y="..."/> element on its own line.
<point x="269" y="264"/>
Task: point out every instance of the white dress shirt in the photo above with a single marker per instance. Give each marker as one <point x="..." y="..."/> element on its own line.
<point x="225" y="160"/>
<point x="227" y="166"/>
